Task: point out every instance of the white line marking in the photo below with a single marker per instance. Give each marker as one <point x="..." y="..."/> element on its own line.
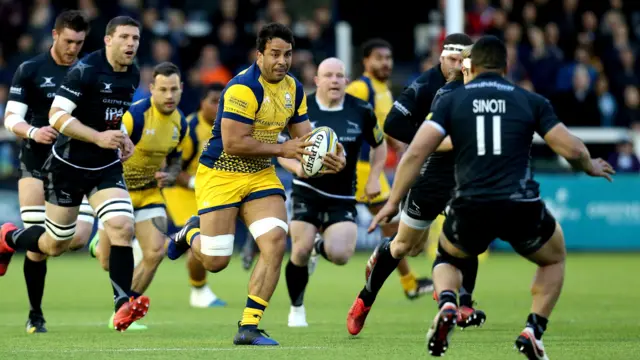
<point x="164" y="349"/>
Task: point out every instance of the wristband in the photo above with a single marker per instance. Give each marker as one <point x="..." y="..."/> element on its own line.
<point x="31" y="132"/>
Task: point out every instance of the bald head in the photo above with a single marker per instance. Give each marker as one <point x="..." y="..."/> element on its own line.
<point x="331" y="80"/>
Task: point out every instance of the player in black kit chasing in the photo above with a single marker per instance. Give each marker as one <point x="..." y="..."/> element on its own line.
<point x="27" y="115"/>
<point x="327" y="205"/>
<point x="86" y="160"/>
<point x="491" y="124"/>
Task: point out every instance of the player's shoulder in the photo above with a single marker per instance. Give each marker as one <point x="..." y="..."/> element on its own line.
<point x="354" y="102"/>
<point x="430" y="78"/>
<point x="247" y="79"/>
<point x="30" y="67"/>
<point x="138" y="108"/>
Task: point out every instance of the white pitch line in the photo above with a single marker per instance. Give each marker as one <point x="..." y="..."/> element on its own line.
<point x="164" y="349"/>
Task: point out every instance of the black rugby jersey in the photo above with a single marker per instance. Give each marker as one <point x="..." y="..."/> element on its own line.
<point x="354" y="123"/>
<point x="491" y="123"/>
<point x="102" y="96"/>
<point x="34" y="84"/>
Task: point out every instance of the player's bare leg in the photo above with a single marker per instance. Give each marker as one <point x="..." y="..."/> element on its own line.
<point x="340" y="242"/>
<point x="114" y="209"/>
<point x="266" y="219"/>
<point x="152" y="244"/>
<point x="201" y="294"/>
<point x="102" y="247"/>
<point x="413" y="286"/>
<point x="545" y="291"/>
<point x="297" y="271"/>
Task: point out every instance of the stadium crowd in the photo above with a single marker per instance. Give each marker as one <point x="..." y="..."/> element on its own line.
<point x="583" y="55"/>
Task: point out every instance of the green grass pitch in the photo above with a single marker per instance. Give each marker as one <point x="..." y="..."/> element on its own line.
<point x="595" y="318"/>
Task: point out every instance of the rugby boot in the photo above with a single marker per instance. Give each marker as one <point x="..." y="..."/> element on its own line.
<point x="35" y="324"/>
<point x="529" y="346"/>
<point x="93" y="245"/>
<point x="468" y="316"/>
<point x="178" y="244"/>
<point x="424" y="286"/>
<point x="133" y="327"/>
<point x="253" y="336"/>
<point x="441" y="329"/>
<point x="6" y="251"/>
<point x="357" y="316"/>
<point x="130" y="312"/>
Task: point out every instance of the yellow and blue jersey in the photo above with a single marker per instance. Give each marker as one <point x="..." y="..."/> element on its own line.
<point x="269" y="108"/>
<point x="378" y="94"/>
<point x="156" y="136"/>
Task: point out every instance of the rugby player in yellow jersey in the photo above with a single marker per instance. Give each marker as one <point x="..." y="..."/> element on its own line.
<point x="157" y="129"/>
<point x="236" y="176"/>
<point x="181" y="199"/>
<point x="372" y="87"/>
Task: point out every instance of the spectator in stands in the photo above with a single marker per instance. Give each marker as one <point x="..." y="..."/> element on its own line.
<point x="307" y="76"/>
<point x="498" y="25"/>
<point x="231" y="49"/>
<point x="625" y="75"/>
<point x="579" y="105"/>
<point x="630" y="112"/>
<point x="211" y="69"/>
<point x="624" y="160"/>
<point x="551" y="37"/>
<point x="606" y="102"/>
<point x="146" y="76"/>
<point x="541" y="62"/>
<point x="565" y="74"/>
<point x="515" y="71"/>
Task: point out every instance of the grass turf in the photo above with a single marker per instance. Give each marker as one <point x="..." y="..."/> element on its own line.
<point x="594" y="318"/>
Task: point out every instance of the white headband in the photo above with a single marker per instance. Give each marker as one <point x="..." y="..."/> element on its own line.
<point x="451" y="49"/>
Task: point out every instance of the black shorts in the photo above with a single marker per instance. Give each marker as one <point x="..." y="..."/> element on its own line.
<point x="319" y="210"/>
<point x="27" y="171"/>
<point x="427" y="199"/>
<point x="472" y="225"/>
<point x="66" y="185"/>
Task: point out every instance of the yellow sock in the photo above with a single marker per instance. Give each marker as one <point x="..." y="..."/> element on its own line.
<point x="252" y="313"/>
<point x="197" y="283"/>
<point x="191" y="234"/>
<point x="409" y="282"/>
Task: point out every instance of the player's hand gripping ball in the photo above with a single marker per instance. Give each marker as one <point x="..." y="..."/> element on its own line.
<point x="324" y="141"/>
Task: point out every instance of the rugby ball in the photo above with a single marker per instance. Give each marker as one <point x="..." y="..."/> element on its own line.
<point x="324" y="141"/>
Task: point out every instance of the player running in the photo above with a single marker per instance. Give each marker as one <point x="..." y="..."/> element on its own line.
<point x="373" y="88"/>
<point x="181" y="199"/>
<point x="495" y="194"/>
<point x="236" y="177"/>
<point x="27" y="115"/>
<point x="85" y="161"/>
<point x="328" y="204"/>
<point x="157" y="129"/>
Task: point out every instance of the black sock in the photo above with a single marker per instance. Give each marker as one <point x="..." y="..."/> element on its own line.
<point x="319" y="246"/>
<point x="297" y="280"/>
<point x="121" y="273"/>
<point x="384" y="265"/>
<point x="34" y="275"/>
<point x="447" y="296"/>
<point x="469" y="275"/>
<point x="26" y="239"/>
<point x="538" y="323"/>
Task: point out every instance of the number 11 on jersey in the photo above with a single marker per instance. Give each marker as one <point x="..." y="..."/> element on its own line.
<point x="480" y="135"/>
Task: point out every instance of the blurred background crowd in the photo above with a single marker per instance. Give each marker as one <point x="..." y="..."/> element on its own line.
<point x="582" y="55"/>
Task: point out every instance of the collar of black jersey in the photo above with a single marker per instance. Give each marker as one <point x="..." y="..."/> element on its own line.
<point x="488" y="75"/>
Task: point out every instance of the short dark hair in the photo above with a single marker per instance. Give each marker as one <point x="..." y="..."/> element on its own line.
<point x="165" y="69"/>
<point x="372" y="44"/>
<point x="71" y="19"/>
<point x="120" y="21"/>
<point x="272" y="31"/>
<point x="489" y="53"/>
<point x="216" y="86"/>
<point x="458" y="39"/>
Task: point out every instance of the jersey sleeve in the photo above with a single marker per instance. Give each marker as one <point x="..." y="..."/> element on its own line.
<point x="188" y="147"/>
<point x="358" y="89"/>
<point x="184" y="129"/>
<point x="408" y="111"/>
<point x="75" y="82"/>
<point x="20" y="85"/>
<point x="546" y="118"/>
<point x="440" y="116"/>
<point x="300" y="112"/>
<point x="240" y="104"/>
<point x="373" y="135"/>
<point x="127" y="121"/>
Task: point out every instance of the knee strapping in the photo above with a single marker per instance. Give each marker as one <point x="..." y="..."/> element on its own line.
<point x="32" y="215"/>
<point x="60" y="232"/>
<point x="86" y="213"/>
<point x="220" y="245"/>
<point x="263" y="226"/>
<point x="444" y="257"/>
<point x="115" y="207"/>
